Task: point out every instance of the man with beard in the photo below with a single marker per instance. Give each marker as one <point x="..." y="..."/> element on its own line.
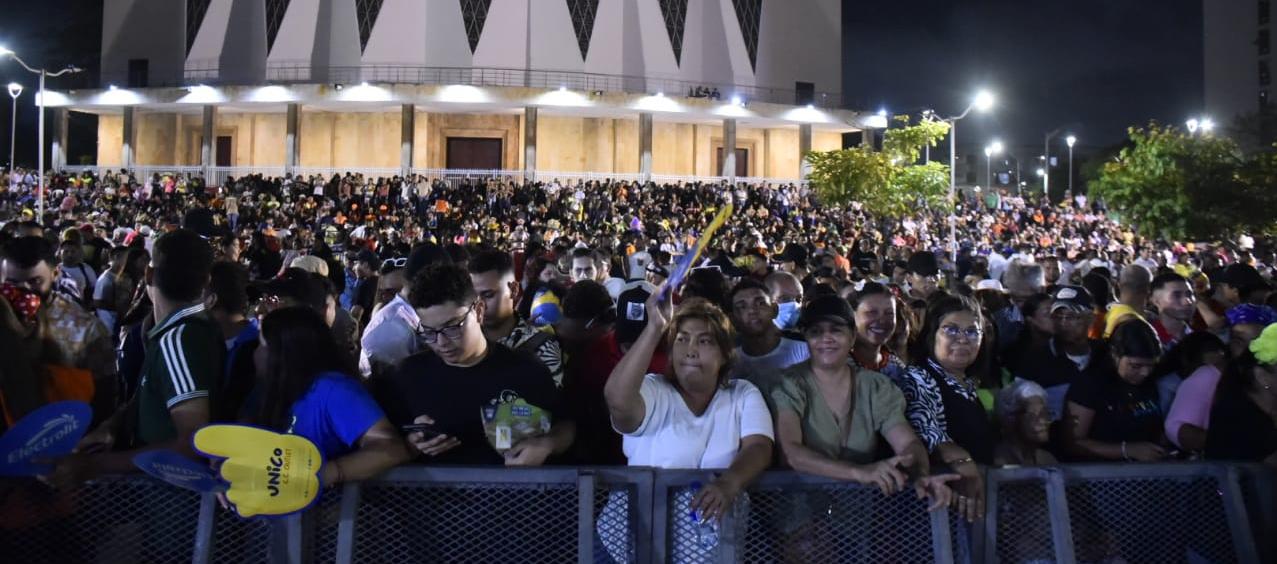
<point x="763" y="350"/>
<point x="492" y="273"/>
<point x="83" y="340"/>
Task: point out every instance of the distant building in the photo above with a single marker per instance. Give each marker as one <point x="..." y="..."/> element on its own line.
<point x="1238" y="53"/>
<point x="603" y="86"/>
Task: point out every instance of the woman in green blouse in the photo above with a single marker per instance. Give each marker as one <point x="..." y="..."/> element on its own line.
<point x="830" y="417"/>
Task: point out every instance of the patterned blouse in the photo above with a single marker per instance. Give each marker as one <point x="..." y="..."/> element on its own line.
<point x="923" y="405"/>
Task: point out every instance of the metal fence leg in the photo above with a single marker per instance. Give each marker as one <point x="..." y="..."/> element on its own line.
<point x="941" y="541"/>
<point x="641" y="518"/>
<point x="1061" y="529"/>
<point x="346" y="523"/>
<point x="990" y="533"/>
<point x="1235" y="511"/>
<point x="660" y="521"/>
<point x="585" y="518"/>
<point x="204" y="530"/>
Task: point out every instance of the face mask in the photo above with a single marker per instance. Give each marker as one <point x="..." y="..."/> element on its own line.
<point x="787" y="318"/>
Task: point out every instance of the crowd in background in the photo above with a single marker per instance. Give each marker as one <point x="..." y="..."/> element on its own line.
<point x="389" y="319"/>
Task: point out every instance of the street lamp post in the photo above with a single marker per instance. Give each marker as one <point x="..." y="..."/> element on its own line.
<point x="982" y="102"/>
<point x="993" y="149"/>
<point x="15" y="90"/>
<point x="1042" y="174"/>
<point x="39" y="101"/>
<point x="1070" y="140"/>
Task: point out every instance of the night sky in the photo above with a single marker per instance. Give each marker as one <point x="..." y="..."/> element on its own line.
<point x="1093" y="66"/>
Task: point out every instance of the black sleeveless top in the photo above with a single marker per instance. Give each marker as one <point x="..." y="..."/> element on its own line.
<point x="965" y="420"/>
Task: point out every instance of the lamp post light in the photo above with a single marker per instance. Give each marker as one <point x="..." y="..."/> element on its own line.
<point x="1070" y="140"/>
<point x="15" y="90"/>
<point x="982" y="102"/>
<point x="39" y="100"/>
<point x="1042" y="175"/>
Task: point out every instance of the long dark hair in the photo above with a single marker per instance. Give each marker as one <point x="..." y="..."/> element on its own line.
<point x="300" y="347"/>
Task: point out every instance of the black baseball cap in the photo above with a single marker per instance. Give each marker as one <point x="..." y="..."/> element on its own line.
<point x="1075" y="298"/>
<point x="827" y="308"/>
<point x="631" y="314"/>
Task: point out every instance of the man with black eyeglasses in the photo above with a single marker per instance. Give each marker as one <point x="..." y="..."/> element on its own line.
<point x="449" y="399"/>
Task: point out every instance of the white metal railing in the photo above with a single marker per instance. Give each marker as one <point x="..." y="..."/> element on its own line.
<point x="328" y="172"/>
<point x="219" y="174"/>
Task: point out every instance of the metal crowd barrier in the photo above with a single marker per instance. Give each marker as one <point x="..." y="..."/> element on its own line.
<point x="1114" y="513"/>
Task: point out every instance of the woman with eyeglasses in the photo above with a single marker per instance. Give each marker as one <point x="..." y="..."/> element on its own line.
<point x="1115" y="414"/>
<point x="940" y="396"/>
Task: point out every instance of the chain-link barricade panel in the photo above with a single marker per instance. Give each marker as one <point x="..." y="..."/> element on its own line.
<point x="106" y="521"/>
<point x="821" y="523"/>
<point x="1258" y="487"/>
<point x="323" y="519"/>
<point x="1153" y="520"/>
<point x="466" y="522"/>
<point x="615" y="536"/>
<point x="1024" y="523"/>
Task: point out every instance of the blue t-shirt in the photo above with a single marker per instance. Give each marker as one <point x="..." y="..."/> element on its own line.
<point x="334" y="414"/>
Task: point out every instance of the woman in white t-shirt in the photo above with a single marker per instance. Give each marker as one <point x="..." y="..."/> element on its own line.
<point x="693" y="416"/>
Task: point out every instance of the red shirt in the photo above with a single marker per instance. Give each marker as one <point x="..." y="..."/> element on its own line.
<point x="585" y="376"/>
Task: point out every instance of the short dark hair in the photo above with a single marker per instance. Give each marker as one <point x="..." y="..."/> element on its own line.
<point x="229" y="282"/>
<point x="588" y="300"/>
<point x="747" y="284"/>
<point x="492" y="261"/>
<point x="181" y="261"/>
<point x="1166" y="278"/>
<point x="29" y="251"/>
<point x="441" y="283"/>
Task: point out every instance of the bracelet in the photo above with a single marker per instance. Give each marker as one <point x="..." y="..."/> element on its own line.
<point x="958" y="461"/>
<point x="1124" y="456"/>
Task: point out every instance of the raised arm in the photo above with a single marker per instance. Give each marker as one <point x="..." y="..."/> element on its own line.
<point x="622" y="390"/>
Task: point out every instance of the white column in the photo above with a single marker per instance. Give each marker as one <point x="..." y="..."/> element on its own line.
<point x="804" y="147"/>
<point x="127" y="140"/>
<point x="290" y="139"/>
<point x="729" y="150"/>
<point x="645" y="146"/>
<point x="208" y="142"/>
<point x="529" y="144"/>
<point x="60" y="119"/>
<point x="407" y="139"/>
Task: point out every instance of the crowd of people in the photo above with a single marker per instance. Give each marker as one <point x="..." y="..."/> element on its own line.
<point x="402" y="320"/>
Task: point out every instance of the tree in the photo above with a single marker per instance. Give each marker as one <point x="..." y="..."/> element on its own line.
<point x="1177" y="185"/>
<point x="888" y="183"/>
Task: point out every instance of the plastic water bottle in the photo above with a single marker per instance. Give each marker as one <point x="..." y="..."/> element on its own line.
<point x="706" y="530"/>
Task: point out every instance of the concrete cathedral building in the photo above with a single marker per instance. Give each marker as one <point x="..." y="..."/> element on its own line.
<point x="641" y="88"/>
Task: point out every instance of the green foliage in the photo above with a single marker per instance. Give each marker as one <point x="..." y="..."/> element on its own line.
<point x="1176" y="185"/>
<point x="886" y="182"/>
